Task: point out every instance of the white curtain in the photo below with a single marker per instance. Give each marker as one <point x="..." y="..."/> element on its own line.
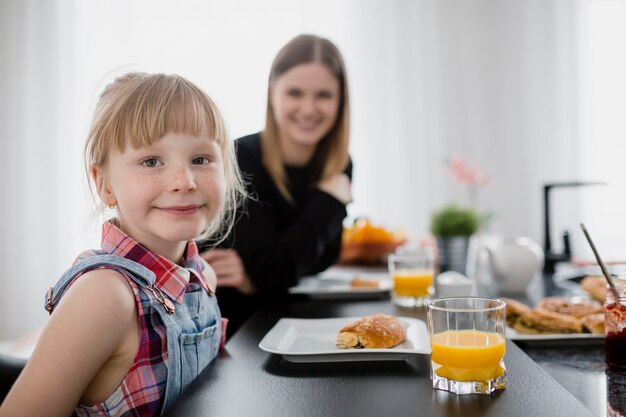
<point x="40" y="184"/>
<point x="493" y="81"/>
<point x="604" y="105"/>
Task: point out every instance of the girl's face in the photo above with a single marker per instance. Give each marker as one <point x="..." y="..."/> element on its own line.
<point x="305" y="101"/>
<point x="166" y="193"/>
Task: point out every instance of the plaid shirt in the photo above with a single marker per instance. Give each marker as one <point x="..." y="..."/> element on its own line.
<point x="142" y="391"/>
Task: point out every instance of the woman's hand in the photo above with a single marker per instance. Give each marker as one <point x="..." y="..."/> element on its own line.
<point x="229" y="269"/>
<point x="339" y="186"/>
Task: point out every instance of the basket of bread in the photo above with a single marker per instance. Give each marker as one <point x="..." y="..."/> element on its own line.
<point x="364" y="242"/>
<point x="560" y="315"/>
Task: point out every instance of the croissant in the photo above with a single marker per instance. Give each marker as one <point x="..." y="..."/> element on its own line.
<point x="372" y="332"/>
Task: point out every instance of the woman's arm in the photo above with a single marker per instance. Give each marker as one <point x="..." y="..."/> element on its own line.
<point x="229" y="270"/>
<point x="273" y="260"/>
<point x="263" y="260"/>
<point x="85" y="330"/>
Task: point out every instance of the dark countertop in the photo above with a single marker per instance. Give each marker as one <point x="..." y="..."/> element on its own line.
<point x="564" y="380"/>
<point x="581" y="370"/>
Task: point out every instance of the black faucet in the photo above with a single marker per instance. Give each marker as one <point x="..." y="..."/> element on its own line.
<point x="552" y="258"/>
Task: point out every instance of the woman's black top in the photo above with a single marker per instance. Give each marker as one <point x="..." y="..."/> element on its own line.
<point x="278" y="241"/>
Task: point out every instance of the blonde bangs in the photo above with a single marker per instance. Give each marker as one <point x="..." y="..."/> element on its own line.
<point x="139" y="109"/>
<point x="165" y="104"/>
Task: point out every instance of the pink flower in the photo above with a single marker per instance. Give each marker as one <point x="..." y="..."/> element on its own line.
<point x="464" y="173"/>
<point x="473" y="177"/>
<point x="456" y="162"/>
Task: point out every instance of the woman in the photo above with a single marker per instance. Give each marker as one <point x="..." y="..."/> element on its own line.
<point x="298" y="174"/>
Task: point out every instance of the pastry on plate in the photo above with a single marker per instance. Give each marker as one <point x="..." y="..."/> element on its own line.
<point x="539" y="321"/>
<point x="564" y="305"/>
<point x="595" y="285"/>
<point x="358" y="282"/>
<point x="372" y="332"/>
<point x="594" y="323"/>
<point x="514" y="309"/>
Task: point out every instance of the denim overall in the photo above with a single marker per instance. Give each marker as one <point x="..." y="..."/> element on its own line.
<point x="193" y="327"/>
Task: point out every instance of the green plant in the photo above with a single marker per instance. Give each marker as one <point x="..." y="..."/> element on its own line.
<point x="454" y="221"/>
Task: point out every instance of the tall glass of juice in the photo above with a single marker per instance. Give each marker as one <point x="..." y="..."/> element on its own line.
<point x="412" y="275"/>
<point x="467" y="339"/>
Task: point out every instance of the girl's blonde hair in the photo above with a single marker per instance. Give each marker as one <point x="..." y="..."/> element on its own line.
<point x="138" y="109"/>
<point x="331" y="154"/>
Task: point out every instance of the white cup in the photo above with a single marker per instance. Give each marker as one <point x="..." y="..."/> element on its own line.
<point x="453" y="284"/>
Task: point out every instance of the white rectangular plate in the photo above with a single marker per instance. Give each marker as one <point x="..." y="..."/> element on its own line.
<point x="571" y="337"/>
<point x="335" y="283"/>
<point x="313" y="340"/>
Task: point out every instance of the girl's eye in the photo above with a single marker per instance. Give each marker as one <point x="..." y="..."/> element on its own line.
<point x="294" y="92"/>
<point x="325" y="94"/>
<point x="201" y="160"/>
<point x="151" y="163"/>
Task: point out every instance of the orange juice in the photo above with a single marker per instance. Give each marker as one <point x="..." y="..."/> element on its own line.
<point x="467" y="355"/>
<point x="412" y="282"/>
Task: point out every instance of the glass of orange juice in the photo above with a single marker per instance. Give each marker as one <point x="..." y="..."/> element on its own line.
<point x="467" y="340"/>
<point x="412" y="275"/>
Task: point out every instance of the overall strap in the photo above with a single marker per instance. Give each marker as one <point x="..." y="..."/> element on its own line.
<point x="140" y="275"/>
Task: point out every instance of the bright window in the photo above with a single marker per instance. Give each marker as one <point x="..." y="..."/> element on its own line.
<point x="603" y="152"/>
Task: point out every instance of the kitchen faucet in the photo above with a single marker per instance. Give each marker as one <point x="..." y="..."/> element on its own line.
<point x="551" y="258"/>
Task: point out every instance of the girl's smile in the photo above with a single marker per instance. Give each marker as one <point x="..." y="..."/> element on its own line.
<point x="181" y="210"/>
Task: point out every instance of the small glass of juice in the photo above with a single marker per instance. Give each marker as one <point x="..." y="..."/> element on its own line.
<point x="615" y="327"/>
<point x="467" y="340"/>
<point x="412" y="276"/>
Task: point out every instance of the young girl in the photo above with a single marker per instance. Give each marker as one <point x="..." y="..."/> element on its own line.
<point x="134" y="322"/>
<point x="299" y="170"/>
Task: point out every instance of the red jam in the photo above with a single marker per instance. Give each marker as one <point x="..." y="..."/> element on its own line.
<point x="615" y="328"/>
<point x="615" y="350"/>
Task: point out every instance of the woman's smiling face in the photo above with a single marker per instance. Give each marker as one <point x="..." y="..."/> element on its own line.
<point x="305" y="101"/>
